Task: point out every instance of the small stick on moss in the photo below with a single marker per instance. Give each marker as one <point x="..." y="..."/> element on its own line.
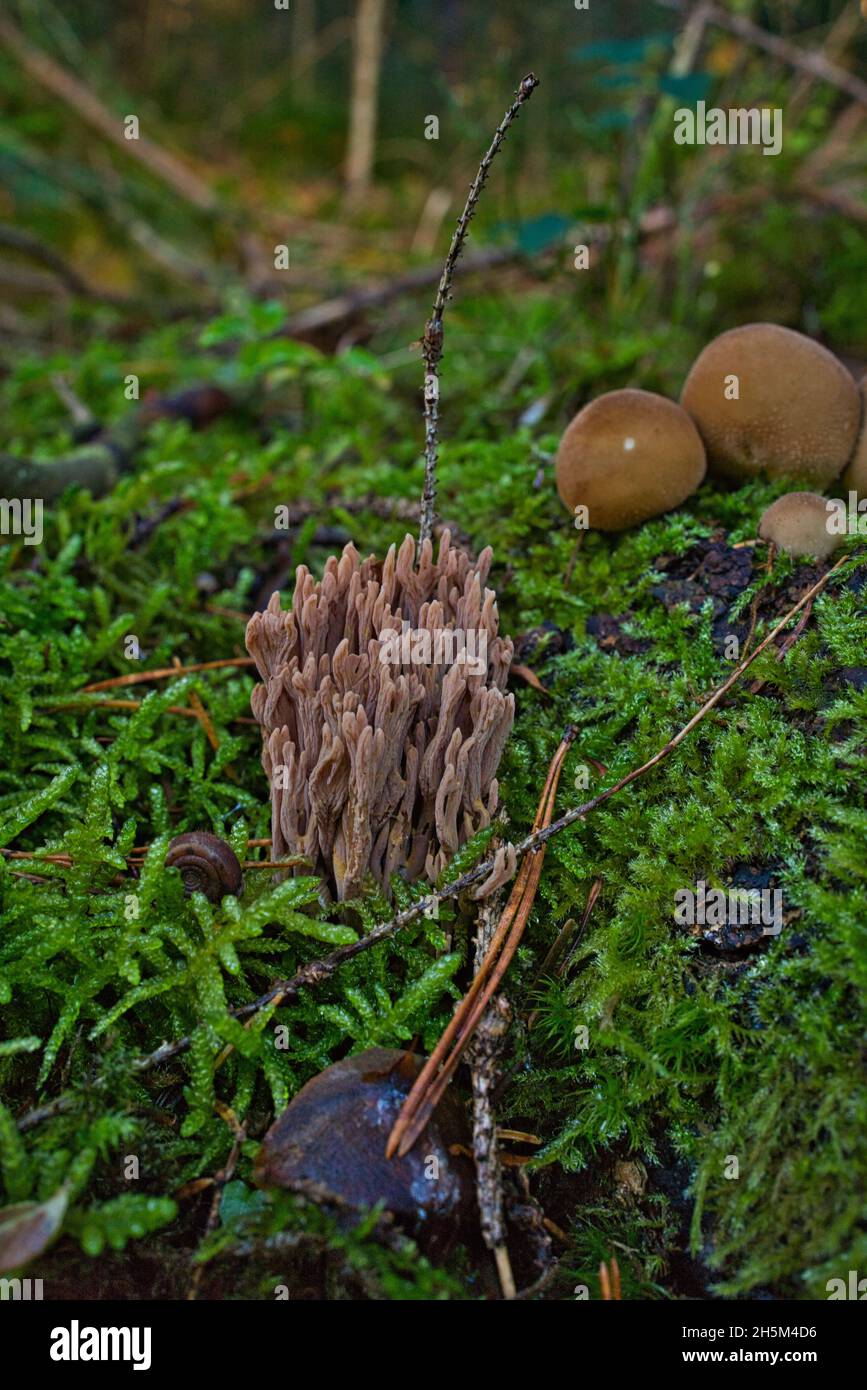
<point x="754" y="606"/>
<point x="432" y="343"/>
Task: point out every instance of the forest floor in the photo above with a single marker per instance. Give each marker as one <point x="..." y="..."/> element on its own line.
<point x="704" y="1047"/>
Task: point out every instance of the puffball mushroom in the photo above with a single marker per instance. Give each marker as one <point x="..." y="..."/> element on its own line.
<point x="627" y="456"/>
<point x="855" y="476"/>
<point x="332" y="1138"/>
<point x="768" y="400"/>
<point x="798" y="523"/>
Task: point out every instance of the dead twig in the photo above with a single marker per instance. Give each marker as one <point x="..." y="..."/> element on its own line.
<point x="345" y="306"/>
<point x="440" y="1067"/>
<point x="484" y="1052"/>
<point x="787" y="644"/>
<point x="559" y="945"/>
<point x="754" y="606"/>
<point x="432" y="343"/>
<point x="28" y="245"/>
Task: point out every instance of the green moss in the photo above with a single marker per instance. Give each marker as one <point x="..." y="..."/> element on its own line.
<point x="692" y="1057"/>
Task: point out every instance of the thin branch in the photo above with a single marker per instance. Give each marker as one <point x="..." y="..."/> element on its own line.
<point x="790" y="641"/>
<point x="344" y="306"/>
<point x="432" y="344"/>
<point x="136" y="677"/>
<point x="438" y="1070"/>
<point x="485" y="1050"/>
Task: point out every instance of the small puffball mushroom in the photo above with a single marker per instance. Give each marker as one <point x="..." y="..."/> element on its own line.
<point x="798" y="523"/>
<point x="855" y="476"/>
<point x="767" y="399"/>
<point x="627" y="456"/>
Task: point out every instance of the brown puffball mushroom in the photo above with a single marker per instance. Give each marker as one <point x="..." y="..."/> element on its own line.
<point x="798" y="523"/>
<point x="333" y="1135"/>
<point x="627" y="456"/>
<point x="768" y="400"/>
<point x="855" y="476"/>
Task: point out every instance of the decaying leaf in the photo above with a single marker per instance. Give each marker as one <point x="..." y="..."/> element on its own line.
<point x="331" y="1139"/>
<point x="28" y="1228"/>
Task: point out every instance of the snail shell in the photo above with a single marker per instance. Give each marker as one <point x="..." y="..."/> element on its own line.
<point x="206" y="864"/>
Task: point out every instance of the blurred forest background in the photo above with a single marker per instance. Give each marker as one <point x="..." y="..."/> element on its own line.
<point x="308" y="126"/>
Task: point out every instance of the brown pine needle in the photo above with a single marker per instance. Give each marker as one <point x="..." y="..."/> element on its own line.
<point x="136" y="677"/>
<point x="117" y="704"/>
<point x="443" y="1061"/>
<point x="526" y="674"/>
<point x="609" y="1283"/>
<point x="504" y="1270"/>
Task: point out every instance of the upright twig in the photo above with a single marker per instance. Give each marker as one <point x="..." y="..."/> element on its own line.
<point x="484" y="1052"/>
<point x="609" y="1280"/>
<point x="563" y="937"/>
<point x="432" y="343"/>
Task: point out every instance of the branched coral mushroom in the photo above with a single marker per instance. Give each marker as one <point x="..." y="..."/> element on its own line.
<point x="378" y="764"/>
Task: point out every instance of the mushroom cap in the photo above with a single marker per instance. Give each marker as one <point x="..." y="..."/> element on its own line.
<point x="798" y="523"/>
<point x="627" y="456"/>
<point x="797" y="410"/>
<point x="855" y="476"/>
<point x="334" y="1134"/>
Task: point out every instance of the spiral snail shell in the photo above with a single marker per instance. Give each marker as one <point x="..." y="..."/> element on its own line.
<point x="206" y="864"/>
